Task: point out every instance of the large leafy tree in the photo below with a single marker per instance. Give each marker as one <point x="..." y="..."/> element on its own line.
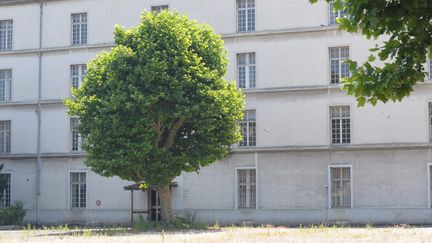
<point x="157" y="104"/>
<point x="406" y="26"/>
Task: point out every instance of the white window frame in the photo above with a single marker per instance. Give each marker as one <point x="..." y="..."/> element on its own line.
<point x="246" y="19"/>
<point x="329" y="181"/>
<point x="338" y="14"/>
<point x="237" y="186"/>
<point x="159" y="8"/>
<point x="429" y="183"/>
<point x="80" y="138"/>
<point x="247" y="67"/>
<point x="69" y="201"/>
<point x="10" y="138"/>
<point x="248" y="143"/>
<point x="341" y="134"/>
<point x="10" y="189"/>
<point x="8" y="93"/>
<point x="81" y="42"/>
<point x="340" y="62"/>
<point x="8" y="32"/>
<point x="80" y="76"/>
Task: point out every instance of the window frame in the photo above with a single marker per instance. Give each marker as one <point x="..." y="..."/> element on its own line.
<point x="12" y="36"/>
<point x="80" y="138"/>
<point x="80" y="76"/>
<point x="238" y="19"/>
<point x="331" y="128"/>
<point x="70" y="172"/>
<point x="329" y="186"/>
<point x="161" y="8"/>
<point x="340" y="62"/>
<point x="337" y="14"/>
<point x="10" y="85"/>
<point x="72" y="29"/>
<point x="2" y="203"/>
<point x="237" y="191"/>
<point x="429" y="183"/>
<point x="247" y="121"/>
<point x="10" y="139"/>
<point x="247" y="67"/>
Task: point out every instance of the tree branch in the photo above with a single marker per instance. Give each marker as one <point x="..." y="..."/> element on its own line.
<point x="158" y="129"/>
<point x="169" y="141"/>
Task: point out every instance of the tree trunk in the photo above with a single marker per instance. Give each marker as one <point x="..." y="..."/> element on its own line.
<point x="165" y="202"/>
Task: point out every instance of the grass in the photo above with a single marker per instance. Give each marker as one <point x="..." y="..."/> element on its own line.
<point x="216" y="234"/>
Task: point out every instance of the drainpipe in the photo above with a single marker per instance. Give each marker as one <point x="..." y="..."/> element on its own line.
<point x="39" y="110"/>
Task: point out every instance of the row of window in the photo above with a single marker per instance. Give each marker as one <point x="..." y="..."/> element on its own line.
<point x="246" y="67"/>
<point x="339" y="187"/>
<point x="77" y="188"/>
<point x="340" y="126"/>
<point x="340" y="129"/>
<point x="246" y="19"/>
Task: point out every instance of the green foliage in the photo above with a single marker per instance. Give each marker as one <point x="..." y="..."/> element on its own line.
<point x="12" y="215"/>
<point x="157" y="104"/>
<point x="407" y="30"/>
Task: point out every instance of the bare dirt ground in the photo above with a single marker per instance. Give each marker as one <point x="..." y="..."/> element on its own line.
<point x="226" y="234"/>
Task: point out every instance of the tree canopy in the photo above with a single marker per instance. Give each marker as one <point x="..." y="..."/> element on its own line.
<point x="406" y="27"/>
<point x="157" y="104"/>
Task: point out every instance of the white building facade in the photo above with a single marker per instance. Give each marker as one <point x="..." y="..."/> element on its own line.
<point x="309" y="154"/>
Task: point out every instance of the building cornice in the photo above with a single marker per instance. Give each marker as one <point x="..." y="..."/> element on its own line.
<point x="30" y="102"/>
<point x="336" y="148"/>
<point x="310" y="148"/>
<point x="20" y="2"/>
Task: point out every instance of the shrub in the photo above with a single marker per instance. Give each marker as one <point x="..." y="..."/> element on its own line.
<point x="12" y="215"/>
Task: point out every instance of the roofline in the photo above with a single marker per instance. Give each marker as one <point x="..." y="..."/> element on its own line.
<point x="20" y="2"/>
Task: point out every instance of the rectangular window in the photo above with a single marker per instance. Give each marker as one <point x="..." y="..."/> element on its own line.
<point x="5" y="85"/>
<point x="340" y="187"/>
<point x="79" y="29"/>
<point x="159" y="8"/>
<point x="246" y="181"/>
<point x="78" y="73"/>
<point x="78" y="188"/>
<point x="340" y="124"/>
<point x="5" y="137"/>
<point x="430" y="69"/>
<point x="5" y="194"/>
<point x="245" y="15"/>
<point x="338" y="67"/>
<point x="6" y="30"/>
<point x="248" y="129"/>
<point x="75" y="135"/>
<point x="334" y="14"/>
<point x="246" y="70"/>
<point x="430" y="122"/>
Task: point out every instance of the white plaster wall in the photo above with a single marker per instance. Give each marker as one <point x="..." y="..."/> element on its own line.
<point x="25" y="24"/>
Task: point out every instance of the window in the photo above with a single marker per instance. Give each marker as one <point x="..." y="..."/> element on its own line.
<point x="76" y="136"/>
<point x="246" y="70"/>
<point x="5" y="195"/>
<point x="246" y="180"/>
<point x="340" y="124"/>
<point x="79" y="29"/>
<point x="78" y="73"/>
<point x="78" y="188"/>
<point x="430" y="69"/>
<point x="334" y="14"/>
<point x="338" y="67"/>
<point x="430" y="122"/>
<point x="340" y="187"/>
<point x="159" y="8"/>
<point x="248" y="129"/>
<point x="6" y="28"/>
<point x="5" y="137"/>
<point x="5" y="85"/>
<point x="245" y="15"/>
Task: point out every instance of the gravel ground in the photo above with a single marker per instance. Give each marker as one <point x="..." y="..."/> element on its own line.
<point x="228" y="234"/>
